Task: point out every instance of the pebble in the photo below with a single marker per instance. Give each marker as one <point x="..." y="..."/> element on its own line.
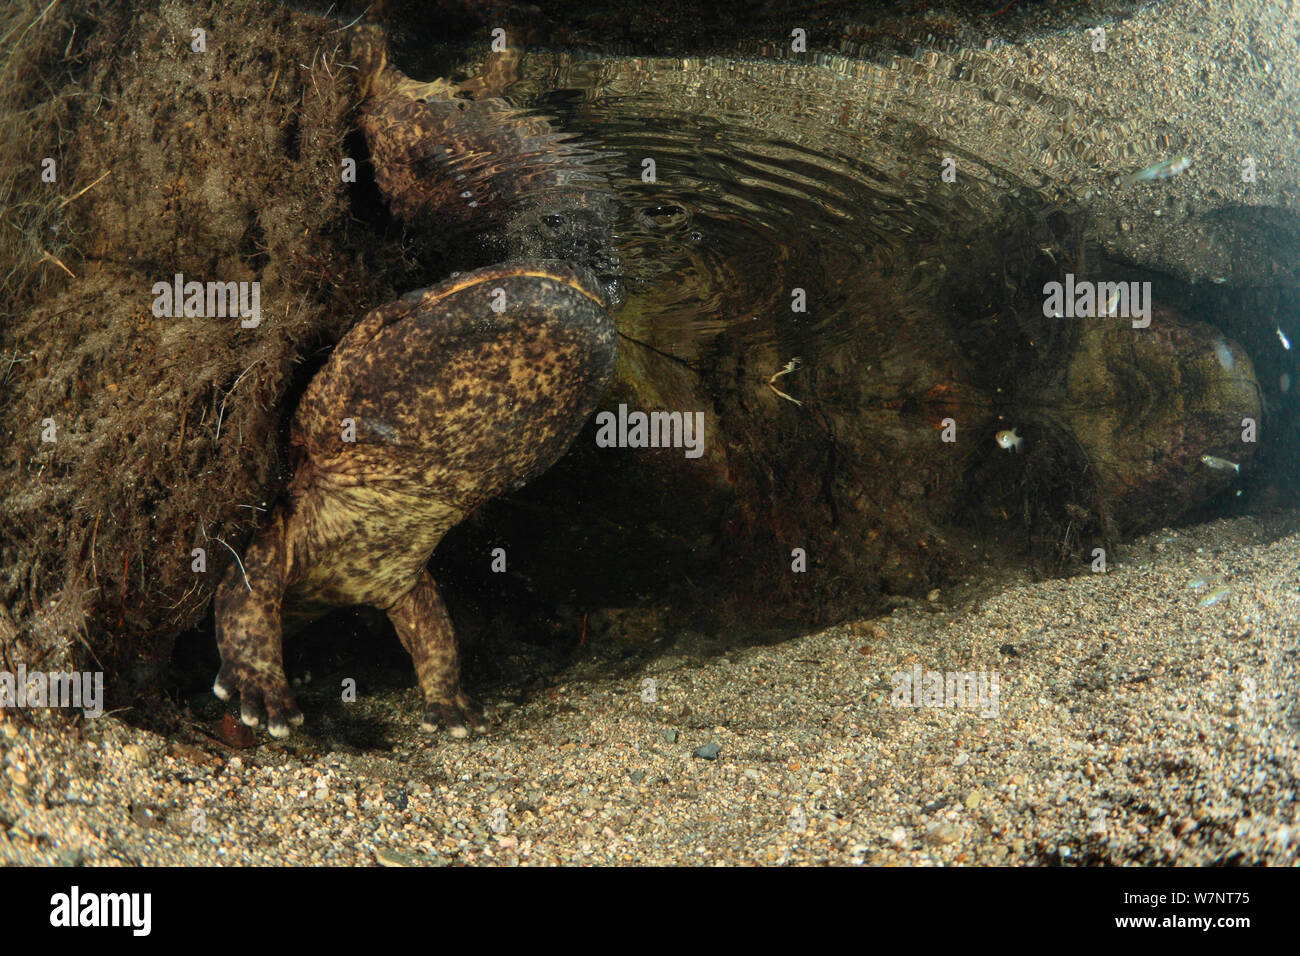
<point x="943" y="833"/>
<point x="1017" y="789"/>
<point x="388" y="857"/>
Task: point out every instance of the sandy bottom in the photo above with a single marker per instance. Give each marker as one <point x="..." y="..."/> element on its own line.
<point x="1136" y="722"/>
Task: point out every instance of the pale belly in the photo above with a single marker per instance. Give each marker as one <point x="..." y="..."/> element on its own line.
<point x="359" y="545"/>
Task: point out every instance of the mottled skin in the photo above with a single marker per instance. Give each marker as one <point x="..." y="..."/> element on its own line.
<point x="452" y="403"/>
<point x="463" y="167"/>
<point x="450" y="396"/>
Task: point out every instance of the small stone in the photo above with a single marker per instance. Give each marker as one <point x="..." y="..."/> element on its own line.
<point x="973" y="800"/>
<point x="234" y="734"/>
<point x="386" y="857"/>
<point x="709" y="751"/>
<point x="670" y="736"/>
<point x="18" y="777"/>
<point x="943" y="833"/>
<point x="898" y="836"/>
<point x="145" y="816"/>
<point x="136" y="754"/>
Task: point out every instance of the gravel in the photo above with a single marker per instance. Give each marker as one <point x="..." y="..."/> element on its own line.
<point x="1134" y="725"/>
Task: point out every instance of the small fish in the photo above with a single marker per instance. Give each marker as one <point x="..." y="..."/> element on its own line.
<point x="1286" y="343"/>
<point x="1161" y="170"/>
<point x="1215" y="596"/>
<point x="1220" y="464"/>
<point x="1197" y="583"/>
<point x="1008" y="439"/>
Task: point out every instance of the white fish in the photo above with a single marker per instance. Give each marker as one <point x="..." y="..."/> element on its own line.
<point x="1215" y="596"/>
<point x="1221" y="464"/>
<point x="1286" y="343"/>
<point x="1008" y="439"/>
<point x="1161" y="170"/>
